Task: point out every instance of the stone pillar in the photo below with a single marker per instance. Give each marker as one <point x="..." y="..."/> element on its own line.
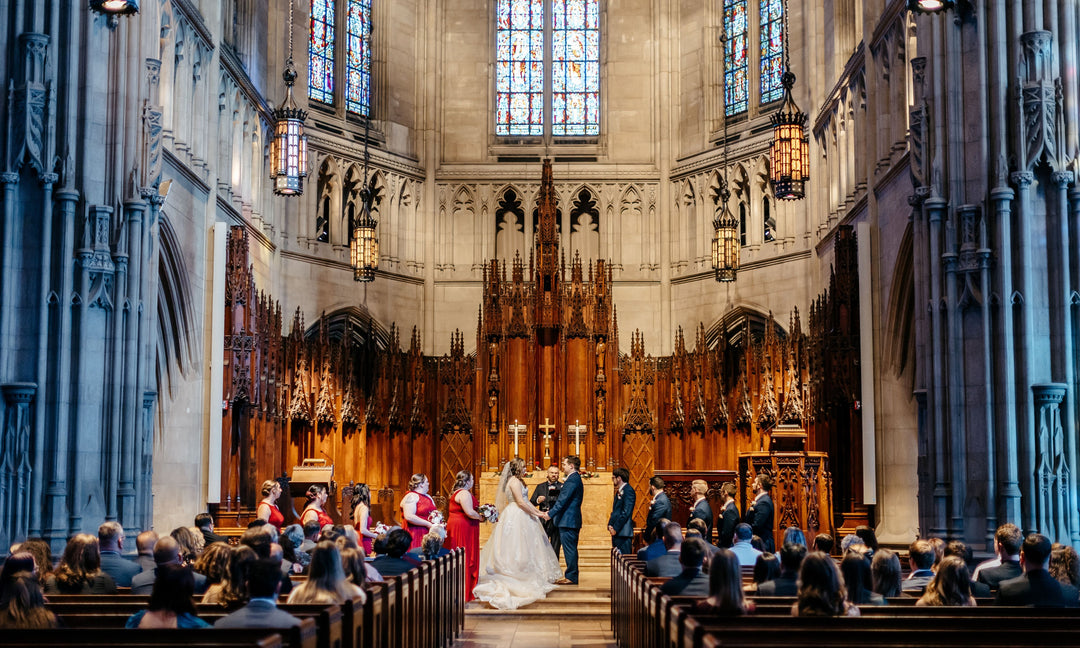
<point x="15" y="462"/>
<point x="1051" y="466"/>
<point x="1025" y="419"/>
<point x="935" y="209"/>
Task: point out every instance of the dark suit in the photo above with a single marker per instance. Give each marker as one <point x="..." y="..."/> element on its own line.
<point x="550" y="493"/>
<point x="387" y="566"/>
<point x="980" y="590"/>
<point x="703" y="512"/>
<point x="622" y="519"/>
<point x="1036" y="588"/>
<point x="209" y="537"/>
<point x="145" y="563"/>
<point x="121" y="569"/>
<point x="917" y="582"/>
<point x="667" y="566"/>
<point x="785" y="585"/>
<point x="729" y="519"/>
<point x="659" y="509"/>
<point x="566" y="512"/>
<point x="690" y="582"/>
<point x="143" y="582"/>
<point x="760" y="517"/>
<point x="994" y="576"/>
<point x="259" y="613"/>
<point x="654" y="549"/>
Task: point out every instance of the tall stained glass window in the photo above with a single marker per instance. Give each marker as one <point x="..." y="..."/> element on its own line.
<point x="772" y="50"/>
<point x="358" y="57"/>
<point x="575" y="61"/>
<point x="519" y="67"/>
<point x="321" y="52"/>
<point x="736" y="61"/>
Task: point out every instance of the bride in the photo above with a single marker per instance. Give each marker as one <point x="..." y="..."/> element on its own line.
<point x="517" y="564"/>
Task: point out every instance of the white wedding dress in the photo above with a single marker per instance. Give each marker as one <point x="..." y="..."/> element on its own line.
<point x="517" y="564"/>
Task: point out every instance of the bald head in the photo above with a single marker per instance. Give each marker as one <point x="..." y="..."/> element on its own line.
<point x="145" y="542"/>
<point x="167" y="551"/>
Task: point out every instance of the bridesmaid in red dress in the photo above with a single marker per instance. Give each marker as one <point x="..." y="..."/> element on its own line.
<point x="416" y="506"/>
<point x="316" y="496"/>
<point x="463" y="528"/>
<point x="267" y="509"/>
<point x="362" y="520"/>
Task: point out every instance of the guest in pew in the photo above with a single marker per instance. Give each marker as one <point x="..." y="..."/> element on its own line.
<point x="80" y="569"/>
<point x="950" y="586"/>
<point x="939" y="549"/>
<point x="231" y="592"/>
<point x="794" y="535"/>
<point x="885" y="573"/>
<point x="170" y="601"/>
<point x="361" y="516"/>
<point x="821" y="590"/>
<point x="729" y="516"/>
<point x="277" y="554"/>
<point x="316" y="497"/>
<point x="963" y="552"/>
<point x="921" y="558"/>
<point x="267" y="509"/>
<point x="869" y="539"/>
<point x="18" y="562"/>
<point x="1065" y="564"/>
<point x="824" y="543"/>
<point x="263" y="540"/>
<point x="760" y="512"/>
<point x="656" y="548"/>
<point x="725" y="587"/>
<point x="214" y="564"/>
<point x="744" y="551"/>
<point x="392" y="563"/>
<point x="144" y="544"/>
<point x="311" y="535"/>
<point x="432" y="545"/>
<point x="204" y="522"/>
<point x="345" y="542"/>
<point x="766" y="568"/>
<point x="659" y="509"/>
<point x="294" y="536"/>
<point x="111" y="541"/>
<point x="190" y="544"/>
<point x="668" y="565"/>
<point x="757" y="543"/>
<point x="21" y="604"/>
<point x="791" y="557"/>
<point x="852" y="542"/>
<point x="691" y="581"/>
<point x="354" y="566"/>
<point x="166" y="552"/>
<point x="700" y="509"/>
<point x="1007" y="541"/>
<point x="697" y="529"/>
<point x="43" y="558"/>
<point x="326" y="582"/>
<point x="264" y="585"/>
<point x="855" y="568"/>
<point x="1036" y="587"/>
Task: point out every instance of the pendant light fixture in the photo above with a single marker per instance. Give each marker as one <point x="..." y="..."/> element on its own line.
<point x="288" y="148"/>
<point x="115" y="7"/>
<point x="725" y="243"/>
<point x="364" y="245"/>
<point x="789" y="156"/>
<point x="930" y="6"/>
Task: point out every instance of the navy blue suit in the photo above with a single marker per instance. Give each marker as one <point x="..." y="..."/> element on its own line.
<point x="566" y="512"/>
<point x="760" y="517"/>
<point x="659" y="510"/>
<point x="622" y="519"/>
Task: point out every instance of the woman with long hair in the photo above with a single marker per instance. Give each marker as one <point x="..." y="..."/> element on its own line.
<point x="354" y="566"/>
<point x="189" y="542"/>
<point x="326" y="583"/>
<point x="950" y="586"/>
<point x="416" y="507"/>
<point x="231" y="591"/>
<point x="794" y="535"/>
<point x="79" y="571"/>
<point x="766" y="568"/>
<point x="885" y="573"/>
<point x="316" y="496"/>
<point x="214" y="563"/>
<point x="463" y="528"/>
<point x="725" y="587"/>
<point x="170" y="601"/>
<point x="361" y="515"/>
<point x="21" y="603"/>
<point x="821" y="592"/>
<point x="1065" y="564"/>
<point x="43" y="558"/>
<point x="267" y="509"/>
<point x="855" y="568"/>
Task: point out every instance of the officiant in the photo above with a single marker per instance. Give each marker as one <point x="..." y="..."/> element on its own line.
<point x="543" y="497"/>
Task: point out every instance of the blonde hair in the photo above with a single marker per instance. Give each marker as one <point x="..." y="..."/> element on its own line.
<point x="267" y="487"/>
<point x="416" y="480"/>
<point x="699" y="487"/>
<point x="517" y="467"/>
<point x="326" y="579"/>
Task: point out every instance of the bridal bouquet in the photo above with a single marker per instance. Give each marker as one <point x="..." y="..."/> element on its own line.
<point x="436" y="517"/>
<point x="488" y="513"/>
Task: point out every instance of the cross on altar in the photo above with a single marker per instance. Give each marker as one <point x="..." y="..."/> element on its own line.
<point x="547" y="427"/>
<point x="576" y="430"/>
<point x="514" y="429"/>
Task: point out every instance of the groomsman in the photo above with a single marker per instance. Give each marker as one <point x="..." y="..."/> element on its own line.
<point x="543" y="498"/>
<point x="729" y="516"/>
<point x="621" y="522"/>
<point x="760" y="514"/>
<point x="659" y="507"/>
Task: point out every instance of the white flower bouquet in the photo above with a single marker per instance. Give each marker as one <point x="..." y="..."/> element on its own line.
<point x="488" y="513"/>
<point x="436" y="517"/>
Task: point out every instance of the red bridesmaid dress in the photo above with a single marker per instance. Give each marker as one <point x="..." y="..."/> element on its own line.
<point x="424" y="507"/>
<point x="463" y="531"/>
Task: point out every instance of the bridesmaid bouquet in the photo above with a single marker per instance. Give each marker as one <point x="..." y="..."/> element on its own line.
<point x="436" y="517"/>
<point x="488" y="513"/>
<point x="381" y="528"/>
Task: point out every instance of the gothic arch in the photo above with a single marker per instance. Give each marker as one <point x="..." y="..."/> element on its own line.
<point x="351" y="205"/>
<point x="327" y="199"/>
<point x="178" y="336"/>
<point x="509" y="215"/>
<point x="900" y="316"/>
<point x="733" y="325"/>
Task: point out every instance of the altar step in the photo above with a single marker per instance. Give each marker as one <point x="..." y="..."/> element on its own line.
<point x="590" y="600"/>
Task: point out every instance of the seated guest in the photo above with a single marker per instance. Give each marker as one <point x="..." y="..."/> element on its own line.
<point x="961" y="551"/>
<point x="939" y="550"/>
<point x="656" y="548"/>
<point x="80" y="570"/>
<point x="311" y="536"/>
<point x="397" y="543"/>
<point x="1036" y="587"/>
<point x="190" y="544"/>
<point x="766" y="568"/>
<point x="326" y="582"/>
<point x="170" y="601"/>
<point x="885" y="573"/>
<point x="1065" y="564"/>
<point x="263" y="540"/>
<point x="855" y="568"/>
<point x="166" y="552"/>
<point x="794" y="535"/>
<point x="43" y="558"/>
<point x="354" y="566"/>
<point x="431" y="547"/>
<point x="263" y="584"/>
<point x="757" y="543"/>
<point x="744" y="551"/>
<point x="277" y="554"/>
<point x="823" y="542"/>
<point x="204" y="522"/>
<point x="668" y="565"/>
<point x="791" y="557"/>
<point x="21" y="604"/>
<point x="214" y="564"/>
<point x="1007" y="541"/>
<point x="950" y="586"/>
<point x="294" y="536"/>
<point x="691" y="581"/>
<point x="231" y="590"/>
<point x="144" y="544"/>
<point x="921" y="559"/>
<point x="698" y="525"/>
<point x="852" y="542"/>
<point x="19" y="561"/>
<point x="869" y="538"/>
<point x="111" y="542"/>
<point x="821" y="592"/>
<point x="725" y="587"/>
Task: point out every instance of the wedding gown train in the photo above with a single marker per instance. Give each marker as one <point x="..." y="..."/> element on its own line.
<point x="517" y="564"/>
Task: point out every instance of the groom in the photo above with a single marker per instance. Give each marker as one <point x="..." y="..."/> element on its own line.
<point x="566" y="512"/>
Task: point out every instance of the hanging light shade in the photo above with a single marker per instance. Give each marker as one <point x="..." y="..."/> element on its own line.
<point x="364" y="247"/>
<point x="790" y="152"/>
<point x="930" y="6"/>
<point x="725" y="243"/>
<point x="288" y="148"/>
<point x="115" y="7"/>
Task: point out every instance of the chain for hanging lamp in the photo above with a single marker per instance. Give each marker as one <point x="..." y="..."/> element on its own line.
<point x="288" y="147"/>
<point x="789" y="155"/>
<point x="725" y="243"/>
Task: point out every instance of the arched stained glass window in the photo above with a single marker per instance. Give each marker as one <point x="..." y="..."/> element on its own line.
<point x="575" y="60"/>
<point x="519" y="67"/>
<point x="358" y="58"/>
<point x="772" y="50"/>
<point x="321" y="52"/>
<point x="736" y="60"/>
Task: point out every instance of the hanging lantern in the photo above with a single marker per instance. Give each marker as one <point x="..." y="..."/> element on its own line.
<point x="364" y="247"/>
<point x="288" y="148"/>
<point x="930" y="6"/>
<point x="725" y="243"/>
<point x="115" y="7"/>
<point x="790" y="152"/>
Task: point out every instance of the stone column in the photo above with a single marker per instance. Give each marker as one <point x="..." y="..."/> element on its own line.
<point x="1025" y="419"/>
<point x="1051" y="462"/>
<point x="15" y="462"/>
<point x="1064" y="323"/>
<point x="935" y="209"/>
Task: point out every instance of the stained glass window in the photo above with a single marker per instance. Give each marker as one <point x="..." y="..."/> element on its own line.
<point x="575" y="74"/>
<point x="358" y="57"/>
<point x="736" y="63"/>
<point x="519" y="67"/>
<point x="321" y="52"/>
<point x="772" y="50"/>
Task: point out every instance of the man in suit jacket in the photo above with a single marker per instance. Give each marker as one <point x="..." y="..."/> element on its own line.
<point x="1007" y="542"/>
<point x="659" y="507"/>
<point x="111" y="541"/>
<point x="668" y="565"/>
<point x="729" y="516"/>
<point x="700" y="509"/>
<point x="544" y="495"/>
<point x="1036" y="587"/>
<point x="791" y="557"/>
<point x="566" y="513"/>
<point x="166" y="552"/>
<point x="621" y="521"/>
<point x="921" y="556"/>
<point x="394" y="563"/>
<point x="263" y="584"/>
<point x="1007" y="534"/>
<point x="691" y="581"/>
<point x="656" y="548"/>
<point x="205" y="523"/>
<point x="144" y="544"/>
<point x="760" y="513"/>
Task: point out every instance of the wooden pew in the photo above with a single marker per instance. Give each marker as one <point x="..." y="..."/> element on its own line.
<point x="196" y="638"/>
